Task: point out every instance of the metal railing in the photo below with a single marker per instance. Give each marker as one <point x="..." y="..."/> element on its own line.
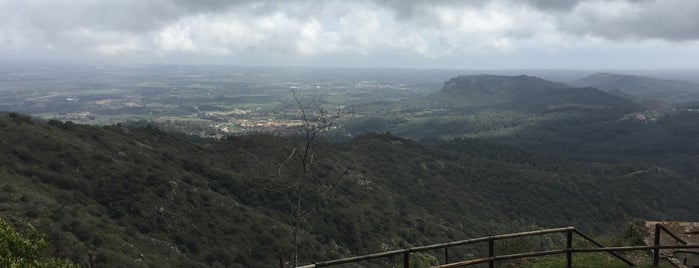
<point x="492" y="258"/>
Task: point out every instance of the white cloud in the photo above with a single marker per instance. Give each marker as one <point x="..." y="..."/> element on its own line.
<point x="492" y="28"/>
<point x="236" y="32"/>
<point x="421" y="29"/>
<point x="355" y="32"/>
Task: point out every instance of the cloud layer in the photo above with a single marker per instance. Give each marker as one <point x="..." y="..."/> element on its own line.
<point x="316" y="28"/>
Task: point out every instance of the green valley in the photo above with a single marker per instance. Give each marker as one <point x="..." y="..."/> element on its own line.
<point x="141" y="197"/>
<point x="485" y="154"/>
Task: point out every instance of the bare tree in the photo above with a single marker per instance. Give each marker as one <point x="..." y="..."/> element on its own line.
<point x="296" y="176"/>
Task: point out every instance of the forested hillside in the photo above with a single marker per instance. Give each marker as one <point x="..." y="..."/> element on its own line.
<point x="642" y="87"/>
<point x="139" y="197"/>
<point x="491" y="106"/>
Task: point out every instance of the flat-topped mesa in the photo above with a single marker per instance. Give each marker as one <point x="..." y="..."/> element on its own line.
<point x="498" y="84"/>
<point x="522" y="92"/>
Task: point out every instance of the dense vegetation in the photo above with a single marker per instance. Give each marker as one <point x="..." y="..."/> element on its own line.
<point x="489" y="154"/>
<point x="22" y="249"/>
<point x="141" y="197"/>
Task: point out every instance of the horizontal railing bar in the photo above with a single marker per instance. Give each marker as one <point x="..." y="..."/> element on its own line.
<point x="437" y="246"/>
<point x="559" y="251"/>
<point x="359" y="258"/>
<point x="493" y="237"/>
<point x="502" y="257"/>
<point x="633" y="248"/>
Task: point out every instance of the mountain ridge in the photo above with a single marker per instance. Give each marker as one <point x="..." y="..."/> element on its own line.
<point x="644" y="87"/>
<point x="492" y="105"/>
<point x="520" y="91"/>
<point x="204" y="203"/>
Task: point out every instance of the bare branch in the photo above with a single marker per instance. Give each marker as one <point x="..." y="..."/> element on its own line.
<point x="300" y="194"/>
<point x="281" y="166"/>
<point x="339" y="178"/>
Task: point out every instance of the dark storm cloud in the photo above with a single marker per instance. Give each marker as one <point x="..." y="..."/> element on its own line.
<point x="671" y="20"/>
<point x="663" y="19"/>
<point x="552" y="4"/>
<point x="117" y="15"/>
<point x="409" y="8"/>
<point x="76" y="25"/>
<point x="122" y="15"/>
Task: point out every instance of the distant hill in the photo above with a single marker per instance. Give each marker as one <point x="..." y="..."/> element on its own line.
<point x="498" y="84"/>
<point x="491" y="105"/>
<point x="670" y="91"/>
<point x="486" y="90"/>
<point x="521" y="92"/>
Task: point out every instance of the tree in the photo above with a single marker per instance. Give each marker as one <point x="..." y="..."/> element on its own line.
<point x="23" y="249"/>
<point x="296" y="176"/>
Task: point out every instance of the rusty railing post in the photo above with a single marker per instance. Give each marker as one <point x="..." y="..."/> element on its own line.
<point x="491" y="252"/>
<point x="656" y="244"/>
<point x="569" y="248"/>
<point x="446" y="255"/>
<point x="406" y="259"/>
<point x="91" y="257"/>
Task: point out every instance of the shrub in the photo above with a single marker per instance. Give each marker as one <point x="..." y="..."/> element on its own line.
<point x="23" y="249"/>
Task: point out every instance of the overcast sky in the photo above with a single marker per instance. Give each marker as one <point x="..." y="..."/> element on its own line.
<point x="590" y="34"/>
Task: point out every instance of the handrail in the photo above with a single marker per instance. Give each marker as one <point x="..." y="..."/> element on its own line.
<point x="633" y="248"/>
<point x="437" y="246"/>
<point x="357" y="258"/>
<point x="502" y="257"/>
<point x="656" y="241"/>
<point x="493" y="237"/>
<point x="560" y="251"/>
<point x="569" y="250"/>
